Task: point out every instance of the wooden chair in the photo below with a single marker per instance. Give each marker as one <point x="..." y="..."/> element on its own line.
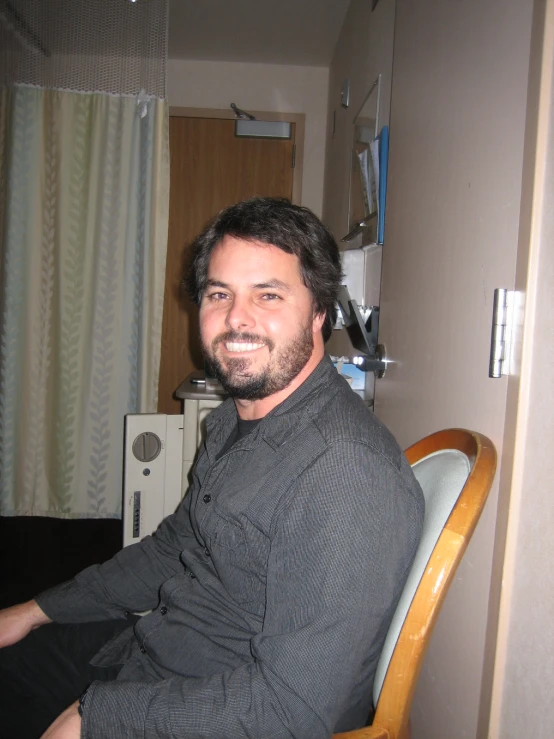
<point x="455" y="469"/>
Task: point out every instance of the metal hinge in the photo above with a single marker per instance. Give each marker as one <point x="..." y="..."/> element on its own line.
<point x="501" y="334"/>
<point x="293" y="156"/>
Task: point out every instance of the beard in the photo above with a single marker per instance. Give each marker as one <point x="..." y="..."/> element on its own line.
<point x="284" y="364"/>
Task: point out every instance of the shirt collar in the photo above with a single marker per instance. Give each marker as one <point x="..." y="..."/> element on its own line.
<point x="279" y="423"/>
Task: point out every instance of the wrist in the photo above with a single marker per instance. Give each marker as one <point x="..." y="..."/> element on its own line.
<point x="35" y="615"/>
<point x="82" y="701"/>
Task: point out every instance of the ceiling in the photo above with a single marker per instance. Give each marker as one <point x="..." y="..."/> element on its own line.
<point x="302" y="32"/>
<point x="296" y="32"/>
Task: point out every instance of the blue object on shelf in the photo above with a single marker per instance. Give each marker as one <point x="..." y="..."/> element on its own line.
<point x="383" y="164"/>
<point x="353" y="375"/>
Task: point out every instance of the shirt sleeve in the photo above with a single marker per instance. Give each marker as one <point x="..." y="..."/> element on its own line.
<point x="342" y="543"/>
<point x="129" y="581"/>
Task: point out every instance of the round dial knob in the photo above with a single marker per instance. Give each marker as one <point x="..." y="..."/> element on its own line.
<point x="147" y="446"/>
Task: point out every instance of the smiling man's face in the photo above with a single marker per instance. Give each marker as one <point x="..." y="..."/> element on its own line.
<point x="257" y="323"/>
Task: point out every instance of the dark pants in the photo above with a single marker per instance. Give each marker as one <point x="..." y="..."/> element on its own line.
<point x="47" y="671"/>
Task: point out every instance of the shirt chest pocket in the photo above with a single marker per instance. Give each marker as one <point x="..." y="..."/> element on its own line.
<point x="229" y="551"/>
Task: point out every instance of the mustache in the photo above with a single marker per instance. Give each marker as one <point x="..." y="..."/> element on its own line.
<point x="243" y="336"/>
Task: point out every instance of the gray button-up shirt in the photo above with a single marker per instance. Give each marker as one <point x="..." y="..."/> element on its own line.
<point x="272" y="586"/>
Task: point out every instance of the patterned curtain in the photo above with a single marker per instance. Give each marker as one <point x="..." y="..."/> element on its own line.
<point x="83" y="235"/>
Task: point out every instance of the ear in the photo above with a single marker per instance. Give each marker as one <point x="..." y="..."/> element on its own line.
<point x="317" y="322"/>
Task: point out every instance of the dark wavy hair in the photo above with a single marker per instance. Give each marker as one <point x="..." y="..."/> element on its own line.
<point x="276" y="222"/>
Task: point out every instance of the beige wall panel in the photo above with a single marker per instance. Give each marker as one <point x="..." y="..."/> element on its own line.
<point x="457" y="132"/>
<point x="524" y="675"/>
<point x="268" y="87"/>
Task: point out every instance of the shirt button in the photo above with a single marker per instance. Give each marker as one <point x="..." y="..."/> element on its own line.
<point x="192" y="575"/>
<point x="207" y="552"/>
<point x="207" y="498"/>
<point x="163" y="610"/>
<point x="143" y="649"/>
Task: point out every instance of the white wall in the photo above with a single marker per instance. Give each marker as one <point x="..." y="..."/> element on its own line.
<point x="263" y="87"/>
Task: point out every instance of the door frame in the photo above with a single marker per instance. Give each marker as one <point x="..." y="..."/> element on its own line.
<point x="299" y="119"/>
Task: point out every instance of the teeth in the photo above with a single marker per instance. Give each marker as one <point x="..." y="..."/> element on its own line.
<point x="235" y="346"/>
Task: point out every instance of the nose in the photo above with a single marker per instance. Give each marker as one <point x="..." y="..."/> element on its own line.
<point x="240" y="315"/>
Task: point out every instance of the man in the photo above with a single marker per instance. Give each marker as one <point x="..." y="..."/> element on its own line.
<point x="273" y="584"/>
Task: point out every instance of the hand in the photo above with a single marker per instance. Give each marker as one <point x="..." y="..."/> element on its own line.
<point x="66" y="726"/>
<point x="16" y="622"/>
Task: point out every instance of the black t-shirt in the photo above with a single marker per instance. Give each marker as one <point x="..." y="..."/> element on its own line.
<point x="243" y="428"/>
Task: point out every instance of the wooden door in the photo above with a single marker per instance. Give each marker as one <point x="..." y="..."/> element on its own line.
<point x="210" y="169"/>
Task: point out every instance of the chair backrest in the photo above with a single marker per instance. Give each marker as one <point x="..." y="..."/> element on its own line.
<point x="455" y="469"/>
<point x="442" y="475"/>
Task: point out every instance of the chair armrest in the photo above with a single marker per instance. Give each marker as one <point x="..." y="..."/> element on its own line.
<point x="368" y="732"/>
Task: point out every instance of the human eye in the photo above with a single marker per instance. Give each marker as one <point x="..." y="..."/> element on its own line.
<point x="215" y="296"/>
<point x="270" y="297"/>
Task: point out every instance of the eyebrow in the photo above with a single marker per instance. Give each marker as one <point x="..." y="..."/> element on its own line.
<point x="215" y="283"/>
<point x="271" y="285"/>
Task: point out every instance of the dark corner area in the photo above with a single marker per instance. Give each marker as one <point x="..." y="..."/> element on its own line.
<point x="38" y="552"/>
